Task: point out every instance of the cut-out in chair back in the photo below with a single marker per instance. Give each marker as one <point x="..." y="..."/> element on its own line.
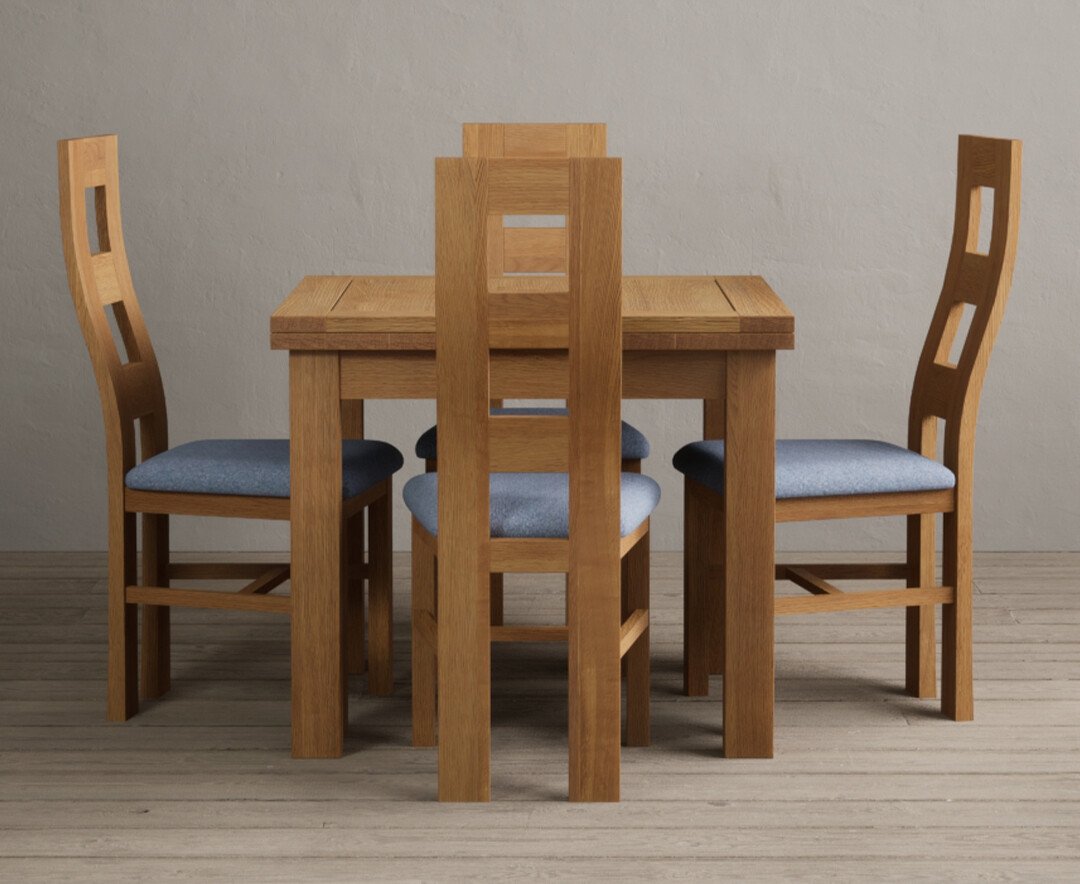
<point x="947" y="389"/>
<point x="124" y="364"/>
<point x="472" y="443"/>
<point x="530" y="249"/>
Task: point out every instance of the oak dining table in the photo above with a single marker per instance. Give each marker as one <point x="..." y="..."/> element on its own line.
<point x="710" y="338"/>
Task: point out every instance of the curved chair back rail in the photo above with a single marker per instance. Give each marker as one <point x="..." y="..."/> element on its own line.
<point x="982" y="280"/>
<point x="129" y="382"/>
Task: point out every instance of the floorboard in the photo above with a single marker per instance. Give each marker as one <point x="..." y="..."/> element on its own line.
<point x="867" y="783"/>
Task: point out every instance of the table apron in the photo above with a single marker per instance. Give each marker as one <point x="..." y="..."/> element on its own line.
<point x="535" y="374"/>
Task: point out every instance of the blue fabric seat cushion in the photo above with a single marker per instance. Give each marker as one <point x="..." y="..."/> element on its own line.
<point x="532" y="504"/>
<point x="826" y="467"/>
<point x="634" y="444"/>
<point x="255" y="467"/>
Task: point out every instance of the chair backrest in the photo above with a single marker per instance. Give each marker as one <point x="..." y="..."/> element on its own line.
<point x="125" y="365"/>
<point x="473" y="443"/>
<point x="530" y="249"/>
<point x="981" y="280"/>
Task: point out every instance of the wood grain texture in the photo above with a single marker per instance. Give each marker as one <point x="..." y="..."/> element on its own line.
<point x="524" y="249"/>
<point x="594" y="229"/>
<point x="319" y="707"/>
<point x="921" y="652"/>
<point x="700" y="586"/>
<point x="749" y="515"/>
<point x="855" y="506"/>
<point x="208" y="598"/>
<point x="529" y="443"/>
<point x="155" y="680"/>
<point x="355" y="610"/>
<point x="206" y="791"/>
<point x="678" y="306"/>
<point x="865" y="600"/>
<point x="634" y="643"/>
<point x="424" y="637"/>
<point x="647" y="374"/>
<point x="380" y="593"/>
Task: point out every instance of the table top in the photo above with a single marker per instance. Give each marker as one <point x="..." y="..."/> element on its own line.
<point x="659" y="312"/>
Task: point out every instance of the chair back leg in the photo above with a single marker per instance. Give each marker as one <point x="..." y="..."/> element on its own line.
<point x="636" y="594"/>
<point x="424" y="660"/>
<point x="957" y="696"/>
<point x="355" y="618"/>
<point x="380" y="595"/>
<point x="156" y="639"/>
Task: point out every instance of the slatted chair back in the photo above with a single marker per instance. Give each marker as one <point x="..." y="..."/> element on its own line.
<point x="947" y="390"/>
<point x="126" y="370"/>
<point x="472" y="442"/>
<point x="530" y="249"/>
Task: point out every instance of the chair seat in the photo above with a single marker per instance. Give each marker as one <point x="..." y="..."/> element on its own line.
<point x="533" y="504"/>
<point x="826" y="467"/>
<point x="634" y="444"/>
<point x="255" y="467"/>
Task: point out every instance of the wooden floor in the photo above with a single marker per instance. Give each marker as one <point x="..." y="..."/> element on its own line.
<point x="867" y="783"/>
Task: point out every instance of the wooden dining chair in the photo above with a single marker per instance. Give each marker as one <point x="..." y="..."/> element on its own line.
<point x="531" y="250"/>
<point x="238" y="478"/>
<point x="846" y="478"/>
<point x="530" y="493"/>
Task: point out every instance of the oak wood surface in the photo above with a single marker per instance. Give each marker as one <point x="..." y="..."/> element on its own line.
<point x="405" y="305"/>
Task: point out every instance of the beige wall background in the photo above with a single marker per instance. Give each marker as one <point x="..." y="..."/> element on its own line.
<point x="812" y="143"/>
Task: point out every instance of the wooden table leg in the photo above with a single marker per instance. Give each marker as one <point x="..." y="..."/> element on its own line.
<point x="749" y="531"/>
<point x="595" y="594"/>
<point x="319" y="702"/>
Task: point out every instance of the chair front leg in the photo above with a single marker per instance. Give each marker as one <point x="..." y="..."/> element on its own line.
<point x="156" y="679"/>
<point x="636" y="594"/>
<point x="424" y="661"/>
<point x="381" y="595"/>
<point x="356" y="572"/>
<point x="696" y="608"/>
<point x="921" y="677"/>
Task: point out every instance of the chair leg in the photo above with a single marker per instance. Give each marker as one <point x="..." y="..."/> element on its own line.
<point x="624" y="581"/>
<point x="696" y="626"/>
<point x="123" y="660"/>
<point x="713" y="554"/>
<point x="424" y="661"/>
<point x="921" y="677"/>
<point x="355" y="627"/>
<point x="380" y="596"/>
<point x="636" y="595"/>
<point x="628" y="466"/>
<point x="156" y="679"/>
<point x="496" y="600"/>
<point x="957" y="697"/>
